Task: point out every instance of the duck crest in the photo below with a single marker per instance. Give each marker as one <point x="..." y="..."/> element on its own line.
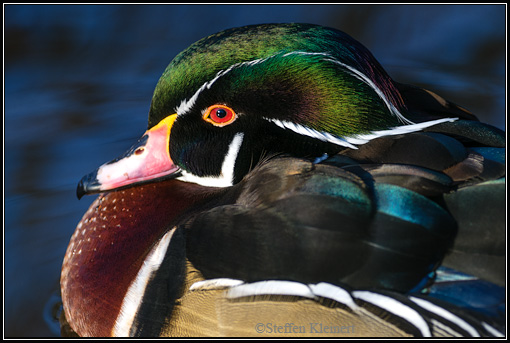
<point x="211" y="58"/>
<point x="284" y="174"/>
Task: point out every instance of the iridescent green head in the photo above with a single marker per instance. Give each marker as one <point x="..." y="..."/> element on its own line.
<point x="322" y="73"/>
<point x="237" y="96"/>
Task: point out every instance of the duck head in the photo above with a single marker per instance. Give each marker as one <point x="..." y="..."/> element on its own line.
<point x="219" y="109"/>
<point x="237" y="96"/>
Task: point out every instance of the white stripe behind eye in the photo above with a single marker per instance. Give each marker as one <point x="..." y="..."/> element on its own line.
<point x="306" y="131"/>
<point x="348" y="141"/>
<point x="398" y="130"/>
<point x="352" y="141"/>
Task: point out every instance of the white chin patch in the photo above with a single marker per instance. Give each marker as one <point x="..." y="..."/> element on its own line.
<point x="226" y="177"/>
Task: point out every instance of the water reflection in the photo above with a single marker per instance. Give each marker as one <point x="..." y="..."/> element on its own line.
<point x="79" y="79"/>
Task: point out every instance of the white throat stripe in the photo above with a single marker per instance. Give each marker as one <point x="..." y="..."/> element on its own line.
<point x="226" y="177"/>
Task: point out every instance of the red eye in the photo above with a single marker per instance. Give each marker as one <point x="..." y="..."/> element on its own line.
<point x="219" y="115"/>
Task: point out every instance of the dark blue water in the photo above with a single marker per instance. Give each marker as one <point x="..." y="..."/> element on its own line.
<point x="79" y="80"/>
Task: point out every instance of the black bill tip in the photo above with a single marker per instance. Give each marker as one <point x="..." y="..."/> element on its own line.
<point x="88" y="185"/>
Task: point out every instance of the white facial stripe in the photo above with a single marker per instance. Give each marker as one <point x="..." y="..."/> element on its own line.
<point x="306" y="131"/>
<point x="307" y="53"/>
<point x="359" y="75"/>
<point x="134" y="295"/>
<point x="352" y="141"/>
<point x="399" y="130"/>
<point x="349" y="141"/>
<point x="186" y="105"/>
<point x="226" y="177"/>
<point x="227" y="168"/>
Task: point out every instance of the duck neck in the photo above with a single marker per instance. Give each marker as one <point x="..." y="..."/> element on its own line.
<point x="111" y="243"/>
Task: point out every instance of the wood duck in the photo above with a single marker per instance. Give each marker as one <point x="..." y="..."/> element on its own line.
<point x="286" y="185"/>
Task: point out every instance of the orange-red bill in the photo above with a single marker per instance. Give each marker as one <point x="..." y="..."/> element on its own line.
<point x="147" y="160"/>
